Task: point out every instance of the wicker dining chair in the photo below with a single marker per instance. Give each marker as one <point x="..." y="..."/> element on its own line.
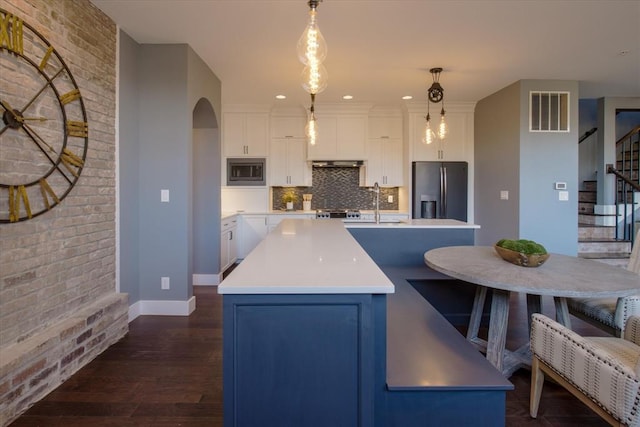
<point x="602" y="372"/>
<point x="610" y="314"/>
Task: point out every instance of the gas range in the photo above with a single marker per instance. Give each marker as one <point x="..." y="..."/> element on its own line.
<point x="337" y="213"/>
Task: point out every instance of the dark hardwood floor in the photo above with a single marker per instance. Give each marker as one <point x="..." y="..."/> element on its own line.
<point x="168" y="372"/>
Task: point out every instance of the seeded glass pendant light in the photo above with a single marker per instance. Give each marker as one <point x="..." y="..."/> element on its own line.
<point x="443" y="128"/>
<point x="311" y="129"/>
<point x="312" y="44"/>
<point x="435" y="95"/>
<point x="429" y="136"/>
<point x="312" y="50"/>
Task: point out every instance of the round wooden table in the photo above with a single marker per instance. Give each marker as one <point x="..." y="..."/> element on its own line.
<point x="561" y="276"/>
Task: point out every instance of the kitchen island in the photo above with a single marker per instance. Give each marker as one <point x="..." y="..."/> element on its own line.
<point x="306" y="341"/>
<point x="304" y="324"/>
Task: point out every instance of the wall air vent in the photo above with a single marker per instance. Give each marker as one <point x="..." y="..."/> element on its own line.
<point x="549" y="111"/>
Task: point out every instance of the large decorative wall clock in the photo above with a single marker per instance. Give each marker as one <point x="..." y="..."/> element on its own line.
<point x="44" y="132"/>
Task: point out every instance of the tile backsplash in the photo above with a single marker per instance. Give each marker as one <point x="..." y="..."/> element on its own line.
<point x="337" y="188"/>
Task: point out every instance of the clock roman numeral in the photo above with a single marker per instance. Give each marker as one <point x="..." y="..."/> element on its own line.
<point x="15" y="195"/>
<point x="45" y="189"/>
<point x="11" y="33"/>
<point x="71" y="161"/>
<point x="70" y="96"/>
<point x="45" y="58"/>
<point x="79" y="129"/>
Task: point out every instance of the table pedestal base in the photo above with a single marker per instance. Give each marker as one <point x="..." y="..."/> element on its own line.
<point x="506" y="361"/>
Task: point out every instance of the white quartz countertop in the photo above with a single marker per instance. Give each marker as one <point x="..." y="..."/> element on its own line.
<point x="307" y="256"/>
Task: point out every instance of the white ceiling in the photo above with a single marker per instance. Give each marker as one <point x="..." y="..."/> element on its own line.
<point x="380" y="50"/>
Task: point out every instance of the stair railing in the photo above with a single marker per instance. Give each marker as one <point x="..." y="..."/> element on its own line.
<point x="627" y="183"/>
<point x="587" y="134"/>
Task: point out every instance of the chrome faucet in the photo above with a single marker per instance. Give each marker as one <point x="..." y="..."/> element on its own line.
<point x="376" y="190"/>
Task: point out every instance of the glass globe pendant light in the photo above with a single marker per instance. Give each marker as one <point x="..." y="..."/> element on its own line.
<point x="314" y="78"/>
<point x="429" y="136"/>
<point x="443" y="128"/>
<point x="312" y="50"/>
<point x="311" y="45"/>
<point x="311" y="129"/>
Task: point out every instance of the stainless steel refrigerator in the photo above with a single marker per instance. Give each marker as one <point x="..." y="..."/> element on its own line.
<point x="440" y="190"/>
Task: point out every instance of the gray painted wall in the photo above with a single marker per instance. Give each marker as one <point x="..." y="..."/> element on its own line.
<point x="496" y="158"/>
<point x="546" y="158"/>
<point x="509" y="157"/>
<point x="205" y="101"/>
<point x="128" y="160"/>
<point x="168" y="82"/>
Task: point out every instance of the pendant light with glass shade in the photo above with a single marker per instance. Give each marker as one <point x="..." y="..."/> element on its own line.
<point x="429" y="136"/>
<point x="435" y="95"/>
<point x="311" y="129"/>
<point x="312" y="50"/>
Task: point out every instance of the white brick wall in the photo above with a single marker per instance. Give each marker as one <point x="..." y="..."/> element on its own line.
<point x="62" y="263"/>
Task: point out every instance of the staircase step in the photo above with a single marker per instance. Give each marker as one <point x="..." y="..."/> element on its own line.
<point x="590" y="185"/>
<point x="586" y="231"/>
<point x="587" y="196"/>
<point x="604" y="246"/>
<point x="586" y="207"/>
<point x="593" y="219"/>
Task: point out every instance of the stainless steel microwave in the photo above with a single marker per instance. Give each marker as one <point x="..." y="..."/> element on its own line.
<point x="246" y="171"/>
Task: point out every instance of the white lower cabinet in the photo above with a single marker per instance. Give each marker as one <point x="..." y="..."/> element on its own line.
<point x="274" y="220"/>
<point x="228" y="242"/>
<point x="253" y="230"/>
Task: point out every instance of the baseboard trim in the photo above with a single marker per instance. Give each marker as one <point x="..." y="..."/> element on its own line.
<point x="162" y="308"/>
<point x="207" y="279"/>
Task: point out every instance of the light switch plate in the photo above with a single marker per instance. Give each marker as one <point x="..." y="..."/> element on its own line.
<point x="560" y="185"/>
<point x="164" y="196"/>
<point x="563" y="196"/>
<point x="504" y="195"/>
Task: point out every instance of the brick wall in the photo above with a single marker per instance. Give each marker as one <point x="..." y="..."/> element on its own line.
<point x="58" y="303"/>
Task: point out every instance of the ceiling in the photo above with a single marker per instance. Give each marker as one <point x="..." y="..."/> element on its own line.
<point x="381" y="50"/>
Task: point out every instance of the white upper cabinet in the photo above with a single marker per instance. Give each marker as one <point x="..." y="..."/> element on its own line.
<point x="245" y="134"/>
<point x="384" y="164"/>
<point x="458" y="145"/>
<point x="288" y="163"/>
<point x="340" y="137"/>
<point x="288" y="127"/>
<point x="385" y="127"/>
<point x="384" y="152"/>
<point x="288" y="152"/>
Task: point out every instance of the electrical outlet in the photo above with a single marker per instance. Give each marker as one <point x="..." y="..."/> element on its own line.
<point x="390" y="199"/>
<point x="164" y="283"/>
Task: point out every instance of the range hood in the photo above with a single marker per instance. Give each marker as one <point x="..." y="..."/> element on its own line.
<point x="337" y="163"/>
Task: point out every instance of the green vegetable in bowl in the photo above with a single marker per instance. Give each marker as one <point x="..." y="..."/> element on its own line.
<point x="527" y="247"/>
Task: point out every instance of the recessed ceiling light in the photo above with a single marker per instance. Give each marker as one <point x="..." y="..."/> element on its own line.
<point x="281" y="97"/>
<point x="347" y="97"/>
<point x="407" y="97"/>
